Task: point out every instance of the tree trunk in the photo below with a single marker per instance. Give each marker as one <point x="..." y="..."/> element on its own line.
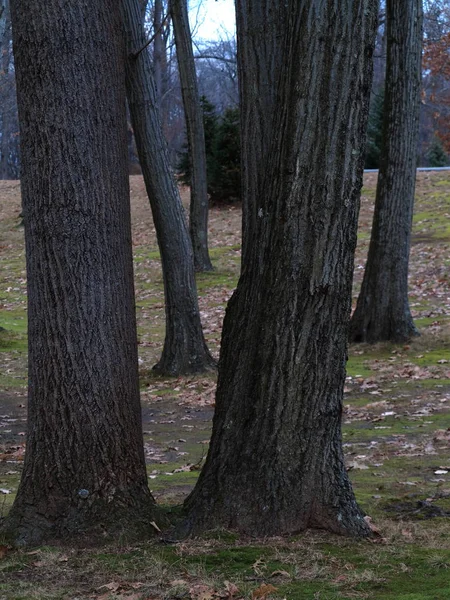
<point x="160" y="74"/>
<point x="259" y="64"/>
<point x="198" y="222"/>
<point x="5" y="61"/>
<point x="275" y="464"/>
<point x="185" y="350"/>
<point x="158" y="49"/>
<point x="382" y="311"/>
<point x="84" y="467"/>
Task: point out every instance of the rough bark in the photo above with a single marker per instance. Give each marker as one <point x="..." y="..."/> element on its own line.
<point x="84" y="467"/>
<point x="184" y="350"/>
<point x="198" y="215"/>
<point x="275" y="464"/>
<point x="259" y="63"/>
<point x="382" y="311"/>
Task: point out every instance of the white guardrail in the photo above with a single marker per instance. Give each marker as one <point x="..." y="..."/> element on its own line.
<point x="419" y="169"/>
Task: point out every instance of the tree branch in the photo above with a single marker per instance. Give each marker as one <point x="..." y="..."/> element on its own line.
<point x="152" y="39"/>
<point x="213" y="57"/>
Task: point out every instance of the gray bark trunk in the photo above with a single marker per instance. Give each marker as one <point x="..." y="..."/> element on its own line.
<point x="184" y="350"/>
<point x="84" y="467"/>
<point x="275" y="464"/>
<point x="5" y="60"/>
<point x="259" y="63"/>
<point x="382" y="311"/>
<point x="158" y="49"/>
<point x="198" y="221"/>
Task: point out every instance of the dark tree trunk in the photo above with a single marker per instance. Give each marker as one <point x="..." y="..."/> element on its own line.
<point x="185" y="350"/>
<point x="158" y="50"/>
<point x="198" y="216"/>
<point x="84" y="465"/>
<point x="275" y="464"/>
<point x="5" y="61"/>
<point x="382" y="311"/>
<point x="259" y="64"/>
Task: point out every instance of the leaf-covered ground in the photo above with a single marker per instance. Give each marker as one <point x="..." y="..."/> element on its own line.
<point x="396" y="435"/>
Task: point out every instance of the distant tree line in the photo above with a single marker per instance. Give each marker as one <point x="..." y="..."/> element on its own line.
<point x="217" y="80"/>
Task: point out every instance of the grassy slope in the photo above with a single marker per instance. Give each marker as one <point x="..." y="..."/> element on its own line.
<point x="395" y="433"/>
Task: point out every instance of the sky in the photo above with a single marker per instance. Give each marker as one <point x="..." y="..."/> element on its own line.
<point x="212" y="19"/>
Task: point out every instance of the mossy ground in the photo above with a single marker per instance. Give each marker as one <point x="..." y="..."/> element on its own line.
<point x="395" y="431"/>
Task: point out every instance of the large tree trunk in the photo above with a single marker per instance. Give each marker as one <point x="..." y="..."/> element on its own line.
<point x="259" y="63"/>
<point x="275" y="464"/>
<point x="198" y="216"/>
<point x="184" y="350"/>
<point x="84" y="465"/>
<point x="382" y="311"/>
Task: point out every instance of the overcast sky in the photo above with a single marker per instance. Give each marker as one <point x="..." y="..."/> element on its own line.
<point x="212" y="19"/>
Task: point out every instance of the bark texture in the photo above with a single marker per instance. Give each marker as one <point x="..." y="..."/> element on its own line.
<point x="260" y="26"/>
<point x="84" y="464"/>
<point x="184" y="350"/>
<point x="275" y="464"/>
<point x="382" y="311"/>
<point x="198" y="216"/>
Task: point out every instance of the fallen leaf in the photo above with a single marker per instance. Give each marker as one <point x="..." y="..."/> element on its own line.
<point x="259" y="566"/>
<point x="177" y="582"/>
<point x="407" y="534"/>
<point x="112" y="587"/>
<point x="264" y="590"/>
<point x="230" y="589"/>
<point x="201" y="592"/>
<point x="279" y="573"/>
<point x="137" y="585"/>
<point x="63" y="558"/>
<point x="373" y="528"/>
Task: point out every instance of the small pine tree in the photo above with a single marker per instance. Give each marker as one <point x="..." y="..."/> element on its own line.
<point x="225" y="185"/>
<point x="374" y="130"/>
<point x="436" y="155"/>
<point x="222" y="144"/>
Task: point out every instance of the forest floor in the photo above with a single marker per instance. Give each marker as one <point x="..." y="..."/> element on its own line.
<point x="396" y="432"/>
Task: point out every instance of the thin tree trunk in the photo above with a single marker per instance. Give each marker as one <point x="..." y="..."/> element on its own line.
<point x="275" y="464"/>
<point x="185" y="350"/>
<point x="158" y="50"/>
<point x="160" y="25"/>
<point x="382" y="311"/>
<point x="5" y="60"/>
<point x="198" y="222"/>
<point x="84" y="468"/>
